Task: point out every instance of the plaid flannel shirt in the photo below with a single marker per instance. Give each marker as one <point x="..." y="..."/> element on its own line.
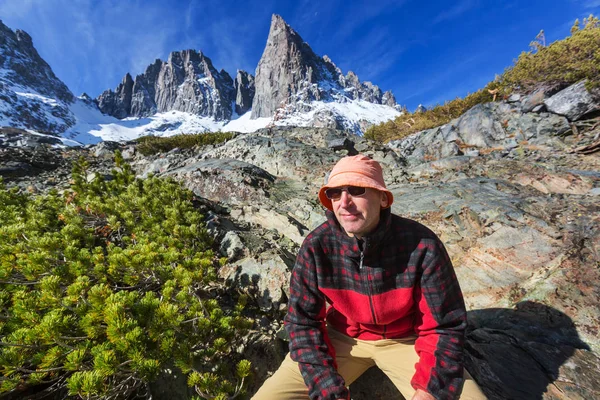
<point x="402" y="283"/>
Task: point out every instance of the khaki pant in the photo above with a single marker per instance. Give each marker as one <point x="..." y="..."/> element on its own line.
<point x="395" y="357"/>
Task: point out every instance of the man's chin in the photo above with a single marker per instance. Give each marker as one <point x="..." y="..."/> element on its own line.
<point x="351" y="230"/>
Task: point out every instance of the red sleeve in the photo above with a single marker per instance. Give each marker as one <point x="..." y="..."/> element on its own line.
<point x="441" y="326"/>
<point x="305" y="323"/>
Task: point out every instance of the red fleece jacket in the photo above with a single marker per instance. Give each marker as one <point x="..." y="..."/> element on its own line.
<point x="402" y="283"/>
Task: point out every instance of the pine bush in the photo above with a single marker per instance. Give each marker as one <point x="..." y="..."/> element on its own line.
<point x="560" y="64"/>
<point x="148" y="145"/>
<point x="108" y="283"/>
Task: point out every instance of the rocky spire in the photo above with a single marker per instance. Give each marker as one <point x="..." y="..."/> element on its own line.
<point x="389" y="99"/>
<point x="117" y="103"/>
<point x="187" y="82"/>
<point x="287" y="66"/>
<point x="244" y="89"/>
<point x="290" y="74"/>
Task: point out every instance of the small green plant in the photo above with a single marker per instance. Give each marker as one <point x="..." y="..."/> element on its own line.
<point x="107" y="284"/>
<point x="148" y="145"/>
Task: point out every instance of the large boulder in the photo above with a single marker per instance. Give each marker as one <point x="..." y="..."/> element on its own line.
<point x="224" y="180"/>
<point x="573" y="102"/>
<point x="489" y="126"/>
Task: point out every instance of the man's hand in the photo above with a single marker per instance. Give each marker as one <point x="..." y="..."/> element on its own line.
<point x="422" y="395"/>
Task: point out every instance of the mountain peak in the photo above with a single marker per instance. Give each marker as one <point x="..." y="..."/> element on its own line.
<point x="277" y="19"/>
<point x="290" y="76"/>
<point x="286" y="66"/>
<point x="186" y="82"/>
<point x="32" y="96"/>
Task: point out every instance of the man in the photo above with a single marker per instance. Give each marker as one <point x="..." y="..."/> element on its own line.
<point x="371" y="288"/>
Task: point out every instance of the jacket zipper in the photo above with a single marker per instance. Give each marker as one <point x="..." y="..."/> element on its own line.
<point x="362" y="256"/>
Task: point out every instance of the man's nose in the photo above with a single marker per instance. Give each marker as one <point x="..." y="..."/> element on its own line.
<point x="345" y="199"/>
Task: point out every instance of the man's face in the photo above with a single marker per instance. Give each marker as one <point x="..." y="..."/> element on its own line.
<point x="359" y="215"/>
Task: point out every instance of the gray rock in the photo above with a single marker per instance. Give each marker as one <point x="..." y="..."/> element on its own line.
<point x="290" y="75"/>
<point x="490" y="125"/>
<point x="224" y="180"/>
<point x="572" y="102"/>
<point x="117" y="103"/>
<point x="514" y="98"/>
<point x="244" y="89"/>
<point x="33" y="141"/>
<point x="530" y="102"/>
<point x="186" y="82"/>
<point x="106" y="149"/>
<point x="278" y="153"/>
<point x="269" y="275"/>
<point x="389" y="99"/>
<point x="479" y="128"/>
<point x="231" y="245"/>
<point x="539" y="108"/>
<point x="15" y="168"/>
<point x="326" y="119"/>
<point x="341" y="144"/>
<point x="154" y="167"/>
<point x="128" y="153"/>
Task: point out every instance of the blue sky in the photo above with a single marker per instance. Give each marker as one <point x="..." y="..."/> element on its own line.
<point x="425" y="52"/>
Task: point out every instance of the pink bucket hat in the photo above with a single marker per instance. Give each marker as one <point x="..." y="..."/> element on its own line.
<point x="355" y="171"/>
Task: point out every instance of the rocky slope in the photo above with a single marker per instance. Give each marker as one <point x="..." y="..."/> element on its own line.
<point x="513" y="193"/>
<point x="31" y="96"/>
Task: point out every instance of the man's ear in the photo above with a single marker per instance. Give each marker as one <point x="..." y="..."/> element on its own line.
<point x="384" y="200"/>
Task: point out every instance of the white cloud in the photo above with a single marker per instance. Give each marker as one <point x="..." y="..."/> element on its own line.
<point x="433" y="83"/>
<point x="374" y="54"/>
<point x="15" y="9"/>
<point x="455" y="11"/>
<point x="588" y="4"/>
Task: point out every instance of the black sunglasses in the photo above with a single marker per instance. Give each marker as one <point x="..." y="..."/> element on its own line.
<point x="336" y="193"/>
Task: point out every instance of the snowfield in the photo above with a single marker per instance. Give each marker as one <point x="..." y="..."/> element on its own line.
<point x="92" y="126"/>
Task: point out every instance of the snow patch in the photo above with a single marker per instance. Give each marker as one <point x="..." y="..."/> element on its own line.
<point x="92" y="126"/>
<point x="38" y="97"/>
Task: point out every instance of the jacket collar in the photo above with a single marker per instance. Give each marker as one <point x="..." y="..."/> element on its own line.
<point x="371" y="242"/>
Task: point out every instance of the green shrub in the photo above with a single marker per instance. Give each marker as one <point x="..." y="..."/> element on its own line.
<point x="148" y="145"/>
<point x="406" y="124"/>
<point x="558" y="65"/>
<point x="106" y="284"/>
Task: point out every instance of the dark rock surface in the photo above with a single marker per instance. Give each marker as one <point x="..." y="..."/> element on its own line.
<point x="117" y="103"/>
<point x="244" y="92"/>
